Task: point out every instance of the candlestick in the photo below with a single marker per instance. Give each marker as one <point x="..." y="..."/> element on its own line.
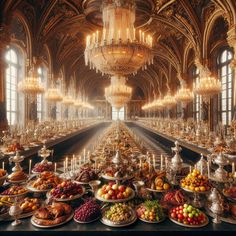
<point x="30" y="163"/>
<point x="208" y="170"/>
<point x="3" y="165"/>
<point x="55" y="167"/>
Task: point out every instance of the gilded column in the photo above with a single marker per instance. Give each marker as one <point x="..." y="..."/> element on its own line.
<point x="4" y="40"/>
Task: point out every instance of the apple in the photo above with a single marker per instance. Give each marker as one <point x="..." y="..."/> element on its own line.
<point x="111" y="192"/>
<point x="119" y="196"/>
<point x="107" y="196"/>
<point x="115" y="186"/>
<point x="125" y="194"/>
<point x="108" y="188"/>
<point x="100" y="192"/>
<point x="128" y="190"/>
<point x="104" y="187"/>
<point x="121" y="188"/>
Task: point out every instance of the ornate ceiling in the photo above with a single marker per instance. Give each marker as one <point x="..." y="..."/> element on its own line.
<point x="55" y="31"/>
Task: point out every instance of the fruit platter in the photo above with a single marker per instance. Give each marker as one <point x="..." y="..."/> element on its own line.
<point x="88" y="212"/>
<point x="173" y="198"/>
<point x="66" y="191"/>
<point x="188" y="216"/>
<point x="43" y="182"/>
<point x="150" y="212"/>
<point x="42" y="166"/>
<point x="195" y="182"/>
<point x="118" y="215"/>
<point x="230" y="193"/>
<point x="113" y="192"/>
<point x="158" y="182"/>
<point x="14" y="191"/>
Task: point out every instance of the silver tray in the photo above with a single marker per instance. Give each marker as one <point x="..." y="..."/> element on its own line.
<point x="228" y="219"/>
<point x="117" y="200"/>
<point x="51" y="226"/>
<point x="190" y="226"/>
<point x="67" y="199"/>
<point x="107" y="177"/>
<point x="118" y="224"/>
<point x="82" y="222"/>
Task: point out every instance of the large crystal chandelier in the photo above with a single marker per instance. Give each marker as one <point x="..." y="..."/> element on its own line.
<point x="184" y="95"/>
<point x="31" y="85"/>
<point x="118" y="49"/>
<point x="118" y="93"/>
<point x="53" y="95"/>
<point x="169" y="101"/>
<point x="207" y="85"/>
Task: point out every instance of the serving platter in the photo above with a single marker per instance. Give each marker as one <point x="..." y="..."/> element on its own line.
<point x="87" y="222"/>
<point x="107" y="177"/>
<point x="190" y="226"/>
<point x="228" y="197"/>
<point x="52" y="226"/>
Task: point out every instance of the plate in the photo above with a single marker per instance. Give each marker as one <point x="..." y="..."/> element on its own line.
<point x="118" y="224"/>
<point x="82" y="222"/>
<point x="190" y="191"/>
<point x="13" y="196"/>
<point x="158" y="191"/>
<point x="190" y="226"/>
<point x="51" y="226"/>
<point x="227" y="196"/>
<point x="226" y="219"/>
<point x="107" y="177"/>
<point x="34" y="190"/>
<point x="66" y="199"/>
<point x="117" y="200"/>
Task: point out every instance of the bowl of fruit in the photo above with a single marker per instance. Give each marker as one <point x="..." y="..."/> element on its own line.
<point x="230" y="193"/>
<point x="3" y="176"/>
<point x="14" y="191"/>
<point x="150" y="212"/>
<point x="42" y="166"/>
<point x="66" y="191"/>
<point x="195" y="182"/>
<point x="88" y="212"/>
<point x="113" y="192"/>
<point x="158" y="182"/>
<point x="118" y="215"/>
<point x="188" y="216"/>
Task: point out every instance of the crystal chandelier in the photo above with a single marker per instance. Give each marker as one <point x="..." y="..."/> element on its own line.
<point x="53" y="95"/>
<point x="184" y="95"/>
<point x="207" y="85"/>
<point x="31" y="85"/>
<point x="118" y="93"/>
<point x="169" y="101"/>
<point x="118" y="49"/>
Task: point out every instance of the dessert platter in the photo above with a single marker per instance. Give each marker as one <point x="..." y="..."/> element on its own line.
<point x="85" y="174"/>
<point x="14" y="191"/>
<point x="41" y="167"/>
<point x="17" y="177"/>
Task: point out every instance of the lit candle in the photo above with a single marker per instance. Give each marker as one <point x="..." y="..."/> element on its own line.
<point x="55" y="167"/>
<point x="30" y="163"/>
<point x="154" y="161"/>
<point x="64" y="167"/>
<point x="208" y="170"/>
<point x="161" y="161"/>
<point x="233" y="168"/>
<point x="3" y="165"/>
<point x="166" y="162"/>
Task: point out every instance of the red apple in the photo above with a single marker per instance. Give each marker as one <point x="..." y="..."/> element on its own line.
<point x="121" y="188"/>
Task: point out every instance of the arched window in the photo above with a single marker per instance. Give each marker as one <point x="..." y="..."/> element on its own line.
<point x="197" y="99"/>
<point x="12" y="79"/>
<point x="41" y="109"/>
<point x="225" y="74"/>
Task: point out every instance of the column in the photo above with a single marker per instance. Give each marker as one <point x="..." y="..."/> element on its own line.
<point x="4" y="40"/>
<point x="231" y="39"/>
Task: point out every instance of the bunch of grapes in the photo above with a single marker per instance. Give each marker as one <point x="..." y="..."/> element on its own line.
<point x="41" y="167"/>
<point x="89" y="211"/>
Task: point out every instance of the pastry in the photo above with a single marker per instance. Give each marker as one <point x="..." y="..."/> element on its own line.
<point x="17" y="176"/>
<point x="2" y="173"/>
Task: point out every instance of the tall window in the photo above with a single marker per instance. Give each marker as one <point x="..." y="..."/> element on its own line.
<point x="197" y="98"/>
<point x="40" y="97"/>
<point x="118" y="115"/>
<point x="225" y="74"/>
<point x="12" y="78"/>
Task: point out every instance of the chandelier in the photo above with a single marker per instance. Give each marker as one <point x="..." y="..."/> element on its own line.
<point x="68" y="101"/>
<point x="53" y="95"/>
<point x="118" y="49"/>
<point x="169" y="101"/>
<point x="118" y="93"/>
<point x="31" y="85"/>
<point x="184" y="95"/>
<point x="207" y="85"/>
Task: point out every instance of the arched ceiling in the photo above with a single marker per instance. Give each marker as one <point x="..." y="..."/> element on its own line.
<point x="178" y="26"/>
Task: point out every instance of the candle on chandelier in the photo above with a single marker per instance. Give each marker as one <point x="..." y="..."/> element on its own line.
<point x="30" y="163"/>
